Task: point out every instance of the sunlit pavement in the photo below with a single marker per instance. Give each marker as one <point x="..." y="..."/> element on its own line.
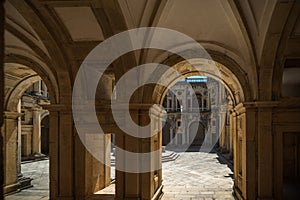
<point x="194" y="175"/>
<point x="39" y="172"/>
<point x="197" y="175"/>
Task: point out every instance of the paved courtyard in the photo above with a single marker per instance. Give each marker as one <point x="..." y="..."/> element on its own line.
<point x="194" y="175"/>
<point x="39" y="172"/>
<point x="197" y="175"/>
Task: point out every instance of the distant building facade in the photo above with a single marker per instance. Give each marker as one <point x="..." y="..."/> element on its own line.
<point x="34" y="122"/>
<point x="196" y="115"/>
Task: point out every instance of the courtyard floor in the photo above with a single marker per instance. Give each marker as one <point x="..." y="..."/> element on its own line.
<point x="194" y="175"/>
<point x="197" y="175"/>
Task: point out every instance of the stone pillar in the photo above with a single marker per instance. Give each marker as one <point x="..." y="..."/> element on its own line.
<point x="222" y="130"/>
<point x="147" y="185"/>
<point x="36" y="132"/>
<point x="74" y="172"/>
<point x="232" y="132"/>
<point x="253" y="157"/>
<point x="44" y="89"/>
<point x="10" y="132"/>
<point x="188" y="134"/>
<point x="19" y="141"/>
<point x="265" y="150"/>
<point x="222" y="138"/>
<point x="171" y="136"/>
<point x="235" y="143"/>
<point x="26" y="143"/>
<point x="183" y="136"/>
<point x="92" y="175"/>
<point x="1" y="94"/>
<point x="37" y="87"/>
<point x="245" y="170"/>
<point x="61" y="147"/>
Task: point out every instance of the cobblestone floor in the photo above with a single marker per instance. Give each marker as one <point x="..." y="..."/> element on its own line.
<point x="194" y="175"/>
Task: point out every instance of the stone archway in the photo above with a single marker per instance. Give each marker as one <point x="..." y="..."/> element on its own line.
<point x="13" y="127"/>
<point x="241" y="116"/>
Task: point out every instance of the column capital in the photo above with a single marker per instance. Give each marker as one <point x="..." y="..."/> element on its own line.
<point x="120" y="106"/>
<point x="134" y="106"/>
<point x="37" y="110"/>
<point x="58" y="107"/>
<point x="11" y="115"/>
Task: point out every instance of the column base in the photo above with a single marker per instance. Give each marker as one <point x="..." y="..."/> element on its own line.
<point x="237" y="194"/>
<point x="11" y="189"/>
<point x="128" y="198"/>
<point x="23" y="183"/>
<point x="65" y="198"/>
<point x="158" y="194"/>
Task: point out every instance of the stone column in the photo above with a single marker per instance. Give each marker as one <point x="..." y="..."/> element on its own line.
<point x="232" y="132"/>
<point x="250" y="158"/>
<point x="183" y="141"/>
<point x="19" y="141"/>
<point x="222" y="129"/>
<point x="37" y="87"/>
<point x="147" y="185"/>
<point x="92" y="175"/>
<point x="61" y="147"/>
<point x="36" y="132"/>
<point x="253" y="157"/>
<point x="1" y="93"/>
<point x="188" y="134"/>
<point x="171" y="136"/>
<point x="44" y="89"/>
<point x="10" y="131"/>
<point x="74" y="172"/>
<point x="265" y="150"/>
<point x="245" y="157"/>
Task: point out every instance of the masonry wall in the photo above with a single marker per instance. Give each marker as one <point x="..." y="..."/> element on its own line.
<point x="1" y="91"/>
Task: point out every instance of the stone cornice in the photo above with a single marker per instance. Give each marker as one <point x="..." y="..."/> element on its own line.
<point x="260" y="104"/>
<point x="286" y="102"/>
<point x="289" y="103"/>
<point x="58" y="107"/>
<point x="242" y="107"/>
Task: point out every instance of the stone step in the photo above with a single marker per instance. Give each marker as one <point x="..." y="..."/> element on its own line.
<point x="172" y="157"/>
<point x="166" y="157"/>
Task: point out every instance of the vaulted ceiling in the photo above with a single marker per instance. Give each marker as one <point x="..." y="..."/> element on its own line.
<point x="58" y="35"/>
